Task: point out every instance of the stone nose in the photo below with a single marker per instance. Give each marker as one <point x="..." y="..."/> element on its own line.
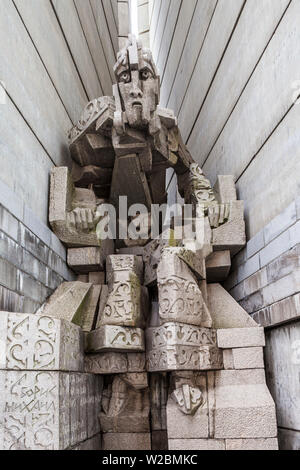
<point x="136" y="92"/>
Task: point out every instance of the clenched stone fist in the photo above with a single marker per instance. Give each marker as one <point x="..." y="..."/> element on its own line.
<point x="83" y="219"/>
<point x="218" y="214"/>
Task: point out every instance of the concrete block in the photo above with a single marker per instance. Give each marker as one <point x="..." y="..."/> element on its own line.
<point x="10" y="250"/>
<point x="185" y="303"/>
<point x="124" y="22"/>
<point x="239" y="259"/>
<point x="180" y="357"/>
<point x="64" y="199"/>
<point x="83" y="278"/>
<point x="284" y="265"/>
<point x="126" y="441"/>
<point x="218" y="265"/>
<point x="228" y="359"/>
<point x="173" y="334"/>
<point x="238" y="291"/>
<point x="253" y="302"/>
<point x="102" y="304"/>
<point x="12" y="302"/>
<point x="42" y="410"/>
<point x="193" y="259"/>
<point x="225" y="311"/>
<point x="89" y="259"/>
<point x="115" y="363"/>
<point x="159" y="440"/>
<point x="22" y="427"/>
<point x="9" y="224"/>
<point x="69" y="302"/>
<point x="29" y="306"/>
<point x="231" y="236"/>
<point x="143" y="18"/>
<point x="248" y="358"/>
<point x="123" y="264"/>
<point x="252" y="444"/>
<point x="94" y="443"/>
<point x="225" y="189"/>
<point x="145" y="39"/>
<point x="122" y="41"/>
<point x="32" y="288"/>
<point x="281" y="289"/>
<point x="8" y="275"/>
<point x="240" y="405"/>
<point x="152" y="254"/>
<point x="298" y="207"/>
<point x="90" y="309"/>
<point x="10" y="201"/>
<point x="96" y="278"/>
<point x="294" y="233"/>
<point x="274" y="249"/>
<point x="34" y="342"/>
<point x="106" y="363"/>
<point x="34" y="267"/>
<point x="36" y="226"/>
<point x="196" y="444"/>
<point x="231" y="281"/>
<point x="33" y="244"/>
<point x="53" y="279"/>
<point x="255" y="282"/>
<point x="57" y="246"/>
<point x="281" y="223"/>
<point x="282" y="354"/>
<point x="256" y="244"/>
<point x="115" y="338"/>
<point x="288" y="439"/>
<point x="57" y="264"/>
<point x="243" y="358"/>
<point x="281" y="312"/>
<point x="240" y="338"/>
<point x="134" y="416"/>
<point x="131" y="250"/>
<point x="251" y="266"/>
<point x="78" y="408"/>
<point x="182" y="426"/>
<point x="94" y="389"/>
<point x="127" y="304"/>
<point x="136" y="362"/>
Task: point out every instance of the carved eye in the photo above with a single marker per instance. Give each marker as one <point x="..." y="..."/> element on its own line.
<point x="125" y="77"/>
<point x="145" y="74"/>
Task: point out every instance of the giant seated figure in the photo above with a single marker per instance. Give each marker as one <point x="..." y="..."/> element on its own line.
<point x="181" y="361"/>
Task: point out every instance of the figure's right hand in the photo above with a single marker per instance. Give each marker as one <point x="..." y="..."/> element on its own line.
<point x="218" y="214"/>
<point x="82" y="219"/>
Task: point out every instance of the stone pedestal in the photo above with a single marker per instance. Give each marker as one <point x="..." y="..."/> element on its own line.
<point x="47" y="402"/>
<point x="238" y="411"/>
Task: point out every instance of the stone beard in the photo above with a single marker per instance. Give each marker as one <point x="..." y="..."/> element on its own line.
<point x="138" y="85"/>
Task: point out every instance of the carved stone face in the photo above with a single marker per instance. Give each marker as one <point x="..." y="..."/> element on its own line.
<point x="138" y="84"/>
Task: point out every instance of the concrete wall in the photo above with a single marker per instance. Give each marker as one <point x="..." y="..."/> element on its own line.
<point x="123" y="21"/>
<point x="265" y="280"/>
<point x="230" y="70"/>
<point x="144" y="22"/>
<point x="55" y="56"/>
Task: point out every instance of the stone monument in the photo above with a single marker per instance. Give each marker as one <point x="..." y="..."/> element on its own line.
<point x="171" y="361"/>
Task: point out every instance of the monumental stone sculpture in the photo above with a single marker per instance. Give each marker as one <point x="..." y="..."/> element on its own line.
<point x="180" y="361"/>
